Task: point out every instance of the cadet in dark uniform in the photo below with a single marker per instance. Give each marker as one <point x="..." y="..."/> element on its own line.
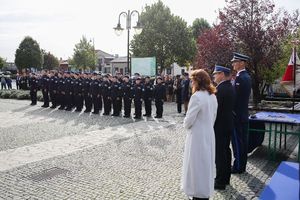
<point x="53" y="84"/>
<point x="138" y="98"/>
<point x="78" y="93"/>
<point x="116" y="96"/>
<point x="87" y="81"/>
<point x="68" y="92"/>
<point x="159" y="96"/>
<point x="185" y="91"/>
<point x="96" y="93"/>
<point x="148" y="95"/>
<point x="45" y="88"/>
<point x="105" y="94"/>
<point x="223" y="125"/>
<point x="61" y="91"/>
<point x="33" y="82"/>
<point x="127" y="89"/>
<point x="242" y="87"/>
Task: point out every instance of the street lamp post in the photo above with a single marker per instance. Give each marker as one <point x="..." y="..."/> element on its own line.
<point x="138" y="29"/>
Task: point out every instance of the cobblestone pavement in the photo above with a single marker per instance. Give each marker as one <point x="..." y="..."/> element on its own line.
<point x="54" y="154"/>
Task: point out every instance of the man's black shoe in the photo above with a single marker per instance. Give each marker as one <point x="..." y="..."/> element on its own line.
<point x="126" y="116"/>
<point x="78" y="110"/>
<point x="137" y="117"/>
<point x="105" y="113"/>
<point x="219" y="186"/>
<point x="32" y="104"/>
<point x="61" y="108"/>
<point x="158" y="116"/>
<point x="96" y="113"/>
<point x="53" y="107"/>
<point x="68" y="109"/>
<point x="87" y="111"/>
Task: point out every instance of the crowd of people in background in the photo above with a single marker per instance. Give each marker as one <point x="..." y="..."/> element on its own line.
<point x="6" y="82"/>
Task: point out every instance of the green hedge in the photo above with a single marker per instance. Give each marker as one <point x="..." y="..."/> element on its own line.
<point x="19" y="94"/>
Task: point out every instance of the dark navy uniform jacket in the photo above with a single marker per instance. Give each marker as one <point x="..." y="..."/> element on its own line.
<point x="159" y="92"/>
<point x="127" y="89"/>
<point x="116" y="90"/>
<point x="242" y="89"/>
<point x="148" y="91"/>
<point x="45" y="82"/>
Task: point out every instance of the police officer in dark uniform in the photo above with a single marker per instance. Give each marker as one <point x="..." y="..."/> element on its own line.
<point x="78" y="92"/>
<point x="61" y="90"/>
<point x="116" y="96"/>
<point x="148" y="95"/>
<point x="223" y="125"/>
<point x="68" y="89"/>
<point x="159" y="96"/>
<point x="106" y="95"/>
<point x="45" y="88"/>
<point x="87" y="95"/>
<point x="53" y="84"/>
<point x="138" y="98"/>
<point x="242" y="87"/>
<point x="127" y="89"/>
<point x="177" y="88"/>
<point x="96" y="91"/>
<point x="33" y="82"/>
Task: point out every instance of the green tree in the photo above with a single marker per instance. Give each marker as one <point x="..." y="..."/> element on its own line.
<point x="2" y="62"/>
<point x="28" y="54"/>
<point x="50" y="61"/>
<point x="199" y="26"/>
<point x="164" y="36"/>
<point x="84" y="56"/>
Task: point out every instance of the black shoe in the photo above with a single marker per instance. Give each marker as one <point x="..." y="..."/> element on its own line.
<point x="87" y="111"/>
<point x="53" y="107"/>
<point x="105" y="113"/>
<point x="43" y="106"/>
<point x="32" y="104"/>
<point x="78" y="110"/>
<point x="144" y="115"/>
<point x="68" y="109"/>
<point x="126" y="116"/>
<point x="219" y="186"/>
<point x="61" y="108"/>
<point x="96" y="113"/>
<point x="158" y="117"/>
<point x="137" y="117"/>
<point x="235" y="171"/>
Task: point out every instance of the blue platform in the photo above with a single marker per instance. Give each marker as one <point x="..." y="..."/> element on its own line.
<point x="284" y="184"/>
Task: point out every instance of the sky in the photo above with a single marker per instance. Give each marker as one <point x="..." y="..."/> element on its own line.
<point x="58" y="25"/>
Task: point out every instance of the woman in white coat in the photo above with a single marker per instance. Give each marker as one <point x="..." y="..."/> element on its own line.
<point x="199" y="153"/>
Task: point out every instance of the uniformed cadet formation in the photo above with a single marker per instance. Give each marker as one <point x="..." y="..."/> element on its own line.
<point x="96" y="92"/>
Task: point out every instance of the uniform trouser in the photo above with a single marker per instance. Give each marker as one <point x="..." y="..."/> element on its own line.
<point x="179" y="103"/>
<point x="127" y="106"/>
<point x="45" y="97"/>
<point x="138" y="107"/>
<point x="117" y="105"/>
<point x="223" y="156"/>
<point x="88" y="102"/>
<point x="62" y="100"/>
<point x="239" y="142"/>
<point x="97" y="102"/>
<point x="148" y="109"/>
<point x="78" y="101"/>
<point x="33" y="96"/>
<point x="107" y="105"/>
<point x="53" y="98"/>
<point x="68" y="100"/>
<point x="159" y="107"/>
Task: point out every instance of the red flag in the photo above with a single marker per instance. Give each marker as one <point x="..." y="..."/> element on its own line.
<point x="287" y="81"/>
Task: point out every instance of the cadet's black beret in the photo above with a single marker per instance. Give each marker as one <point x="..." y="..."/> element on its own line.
<point x="159" y="78"/>
<point x="126" y="76"/>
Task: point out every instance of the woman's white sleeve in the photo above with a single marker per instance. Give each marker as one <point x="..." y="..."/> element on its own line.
<point x="193" y="110"/>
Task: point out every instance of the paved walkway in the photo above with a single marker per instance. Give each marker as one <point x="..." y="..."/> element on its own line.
<point x="54" y="154"/>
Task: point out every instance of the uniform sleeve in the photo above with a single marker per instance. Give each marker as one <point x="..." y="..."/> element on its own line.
<point x="193" y="110"/>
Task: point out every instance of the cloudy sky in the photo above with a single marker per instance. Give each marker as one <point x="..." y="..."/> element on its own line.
<point x="59" y="24"/>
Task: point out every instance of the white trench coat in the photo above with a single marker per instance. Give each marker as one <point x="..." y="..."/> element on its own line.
<point x="199" y="152"/>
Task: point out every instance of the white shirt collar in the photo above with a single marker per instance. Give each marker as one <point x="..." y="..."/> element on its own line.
<point x="240" y="72"/>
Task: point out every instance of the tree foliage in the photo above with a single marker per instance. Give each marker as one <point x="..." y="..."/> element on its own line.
<point x="164" y="36"/>
<point x="199" y="26"/>
<point x="84" y="56"/>
<point x="257" y="30"/>
<point x="28" y="54"/>
<point x="50" y="61"/>
<point x="2" y="62"/>
<point x="213" y="47"/>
